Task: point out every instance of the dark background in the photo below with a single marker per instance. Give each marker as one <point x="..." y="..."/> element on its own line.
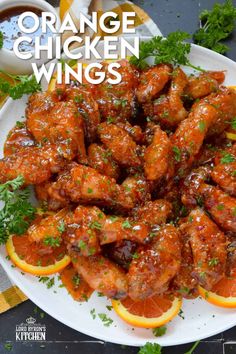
<point x="170" y="15"/>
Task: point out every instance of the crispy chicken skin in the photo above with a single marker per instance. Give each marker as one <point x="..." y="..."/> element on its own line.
<point x="157" y="156"/>
<point x="220" y="205"/>
<point x="204" y="84"/>
<point x="137" y="188"/>
<point x="18" y="138"/>
<point x="152" y="81"/>
<point x="35" y="164"/>
<point x="121" y="145"/>
<point x="82" y="184"/>
<point x="48" y="227"/>
<point x="223" y="172"/>
<point x="169" y="109"/>
<point x="185" y="283"/>
<point x="87" y="108"/>
<point x="188" y="137"/>
<point x="208" y="245"/>
<point x="225" y="102"/>
<point x="62" y="124"/>
<point x="117" y="101"/>
<point x="100" y="158"/>
<point x="102" y="275"/>
<point x="155" y="265"/>
<point x="154" y="213"/>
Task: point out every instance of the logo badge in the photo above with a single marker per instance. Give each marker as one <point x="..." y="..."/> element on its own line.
<point x="31" y="331"/>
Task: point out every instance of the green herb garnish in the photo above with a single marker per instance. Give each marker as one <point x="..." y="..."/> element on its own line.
<point x="105" y="319"/>
<point x="22" y="84"/>
<point x="215" y="26"/>
<point x="52" y="241"/>
<point x="171" y="50"/>
<point x="159" y="331"/>
<point x="17" y="212"/>
<point x="150" y="348"/>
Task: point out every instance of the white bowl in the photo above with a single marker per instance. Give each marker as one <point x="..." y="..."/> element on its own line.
<point x="8" y="59"/>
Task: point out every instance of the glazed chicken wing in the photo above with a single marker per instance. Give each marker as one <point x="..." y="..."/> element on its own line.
<point x="169" y="109"/>
<point x="18" y="138"/>
<point x="154" y="213"/>
<point x="152" y="81"/>
<point x="220" y="205"/>
<point x="100" y="158"/>
<point x="157" y="157"/>
<point x="123" y="148"/>
<point x="204" y="84"/>
<point x="84" y="184"/>
<point x="117" y="101"/>
<point x="208" y="245"/>
<point x="155" y="265"/>
<point x="61" y="124"/>
<point x="224" y="172"/>
<point x="35" y="164"/>
<point x="102" y="275"/>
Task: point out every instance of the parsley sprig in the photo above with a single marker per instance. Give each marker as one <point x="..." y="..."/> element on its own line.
<point x="215" y="26"/>
<point x="170" y="50"/>
<point x="21" y="85"/>
<point x="17" y="212"/>
<point x="150" y="348"/>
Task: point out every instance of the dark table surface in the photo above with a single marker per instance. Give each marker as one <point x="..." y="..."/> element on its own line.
<point x="170" y="15"/>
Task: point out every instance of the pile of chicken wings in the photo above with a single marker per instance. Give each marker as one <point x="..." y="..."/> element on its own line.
<point x="141" y="174"/>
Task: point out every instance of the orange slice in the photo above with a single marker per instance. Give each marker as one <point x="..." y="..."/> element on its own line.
<point x="150" y="313"/>
<point x="36" y="258"/>
<point x="223" y="293"/>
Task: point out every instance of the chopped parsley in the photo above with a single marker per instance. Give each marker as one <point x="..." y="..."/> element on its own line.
<point x="95" y="225"/>
<point x="202" y="126"/>
<point x="159" y="331"/>
<point x="105" y="319"/>
<point x="177" y="153"/>
<point x="61" y="227"/>
<point x="213" y="262"/>
<point x="126" y="224"/>
<point x="227" y="158"/>
<point x="93" y="314"/>
<point x="76" y="280"/>
<point x="52" y="241"/>
<point x="90" y="190"/>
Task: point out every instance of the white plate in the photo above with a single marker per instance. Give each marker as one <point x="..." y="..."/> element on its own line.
<point x="201" y="319"/>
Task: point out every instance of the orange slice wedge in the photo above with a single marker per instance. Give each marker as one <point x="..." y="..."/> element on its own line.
<point x="223" y="293"/>
<point x="35" y="258"/>
<point x="150" y="313"/>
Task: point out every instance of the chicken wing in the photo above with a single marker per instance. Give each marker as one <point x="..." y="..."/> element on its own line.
<point x="18" y="138"/>
<point x="100" y="158"/>
<point x="152" y="81"/>
<point x="102" y="275"/>
<point x="80" y="183"/>
<point x="208" y="245"/>
<point x="35" y="164"/>
<point x="123" y="148"/>
<point x="155" y="265"/>
<point x="204" y="84"/>
<point x="220" y="205"/>
<point x="169" y="109"/>
<point x="157" y="157"/>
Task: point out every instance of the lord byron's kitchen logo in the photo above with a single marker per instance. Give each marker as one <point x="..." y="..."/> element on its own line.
<point x="30" y="331"/>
